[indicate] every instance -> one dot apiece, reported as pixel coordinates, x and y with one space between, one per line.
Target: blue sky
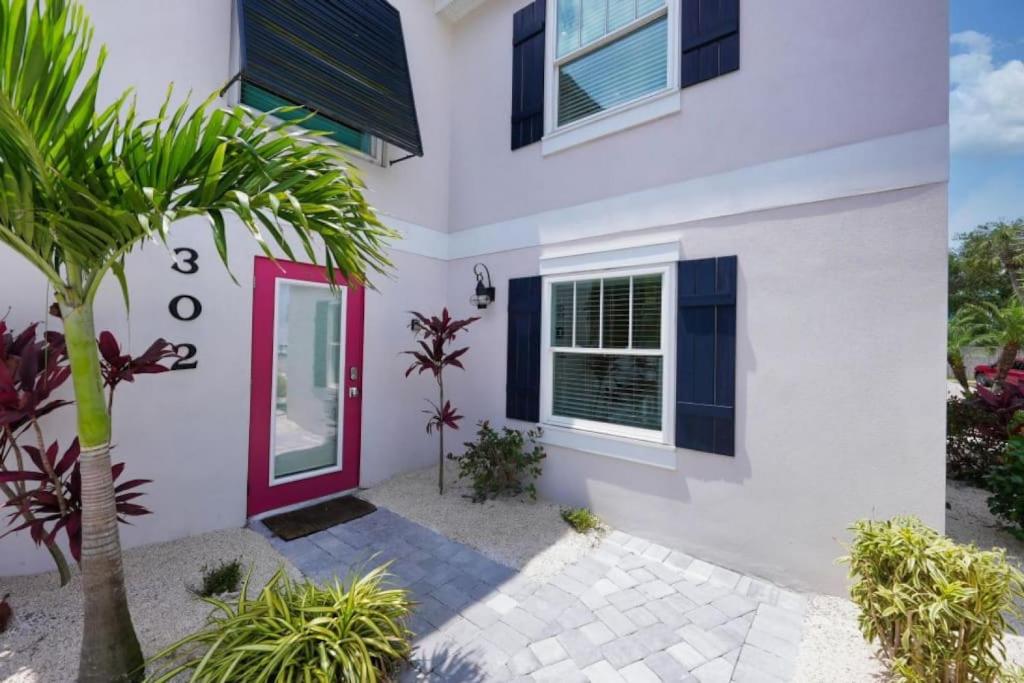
986 112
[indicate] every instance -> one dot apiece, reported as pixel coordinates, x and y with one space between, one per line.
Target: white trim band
631 257
896 162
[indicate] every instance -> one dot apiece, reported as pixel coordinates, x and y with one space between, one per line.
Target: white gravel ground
42 644
527 535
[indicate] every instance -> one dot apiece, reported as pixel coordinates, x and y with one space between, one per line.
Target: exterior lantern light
484 295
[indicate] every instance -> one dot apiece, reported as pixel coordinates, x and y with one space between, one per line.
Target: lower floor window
621 390
605 356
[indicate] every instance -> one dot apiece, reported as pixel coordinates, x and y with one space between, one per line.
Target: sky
986 111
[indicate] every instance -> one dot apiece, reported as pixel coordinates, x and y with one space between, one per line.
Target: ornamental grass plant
938 610
298 631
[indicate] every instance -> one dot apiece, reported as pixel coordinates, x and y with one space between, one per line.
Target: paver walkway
628 611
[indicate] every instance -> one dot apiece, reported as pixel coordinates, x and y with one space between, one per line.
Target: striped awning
343 59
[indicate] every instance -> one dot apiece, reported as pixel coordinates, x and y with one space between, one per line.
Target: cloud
986 100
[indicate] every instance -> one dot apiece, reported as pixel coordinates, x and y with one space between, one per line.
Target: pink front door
307 371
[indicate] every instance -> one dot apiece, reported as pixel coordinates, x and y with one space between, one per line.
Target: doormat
309 520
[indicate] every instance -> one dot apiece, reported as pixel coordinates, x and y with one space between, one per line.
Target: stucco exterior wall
188 430
814 74
839 391
841 302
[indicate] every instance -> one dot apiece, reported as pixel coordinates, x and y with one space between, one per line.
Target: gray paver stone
637 672
549 651
581 649
523 662
715 671
623 651
602 672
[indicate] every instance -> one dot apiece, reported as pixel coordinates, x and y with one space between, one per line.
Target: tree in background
81 187
958 336
997 327
986 265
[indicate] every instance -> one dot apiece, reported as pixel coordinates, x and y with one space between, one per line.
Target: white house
716 230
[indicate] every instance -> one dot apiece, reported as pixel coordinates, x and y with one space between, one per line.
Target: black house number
185 307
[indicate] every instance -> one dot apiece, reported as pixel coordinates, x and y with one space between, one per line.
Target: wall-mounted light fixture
484 295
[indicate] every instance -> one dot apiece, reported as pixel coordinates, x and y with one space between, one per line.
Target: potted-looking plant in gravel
433 355
82 186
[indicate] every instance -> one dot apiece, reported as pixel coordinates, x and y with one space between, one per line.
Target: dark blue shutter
343 59
706 356
710 39
522 384
528 74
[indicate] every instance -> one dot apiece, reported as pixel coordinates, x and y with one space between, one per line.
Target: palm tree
1000 327
999 246
81 187
958 335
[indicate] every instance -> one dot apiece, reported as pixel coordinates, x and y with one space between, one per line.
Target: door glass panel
309 348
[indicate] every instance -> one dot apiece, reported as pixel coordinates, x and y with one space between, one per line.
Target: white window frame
626 115
667 352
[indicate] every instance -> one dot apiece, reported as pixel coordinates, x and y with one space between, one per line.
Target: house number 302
185 307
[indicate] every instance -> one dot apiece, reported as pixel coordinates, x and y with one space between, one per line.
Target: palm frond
80 188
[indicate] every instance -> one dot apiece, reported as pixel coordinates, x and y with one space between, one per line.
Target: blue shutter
522 383
528 74
710 39
706 356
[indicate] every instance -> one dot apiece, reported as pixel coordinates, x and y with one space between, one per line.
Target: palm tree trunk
1005 363
110 648
956 362
1013 272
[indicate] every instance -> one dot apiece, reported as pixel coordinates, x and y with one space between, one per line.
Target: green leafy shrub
499 464
219 579
581 519
1006 481
937 609
975 439
298 631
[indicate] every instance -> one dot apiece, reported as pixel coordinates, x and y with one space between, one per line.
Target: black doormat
309 520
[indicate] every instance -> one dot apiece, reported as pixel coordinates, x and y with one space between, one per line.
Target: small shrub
975 438
581 519
498 464
937 609
298 631
1006 481
219 579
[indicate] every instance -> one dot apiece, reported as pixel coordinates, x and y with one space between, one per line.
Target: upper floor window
608 53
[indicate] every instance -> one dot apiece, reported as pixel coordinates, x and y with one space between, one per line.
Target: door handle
353 392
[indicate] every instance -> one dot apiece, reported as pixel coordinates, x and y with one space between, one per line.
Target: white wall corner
453 10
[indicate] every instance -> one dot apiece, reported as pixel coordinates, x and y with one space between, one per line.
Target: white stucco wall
814 74
189 431
839 391
842 302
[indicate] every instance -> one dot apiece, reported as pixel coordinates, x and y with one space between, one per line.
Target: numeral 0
175 307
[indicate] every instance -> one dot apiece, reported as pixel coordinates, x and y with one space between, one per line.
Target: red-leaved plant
42 489
433 356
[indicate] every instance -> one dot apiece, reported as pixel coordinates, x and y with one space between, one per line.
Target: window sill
662 456
606 123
